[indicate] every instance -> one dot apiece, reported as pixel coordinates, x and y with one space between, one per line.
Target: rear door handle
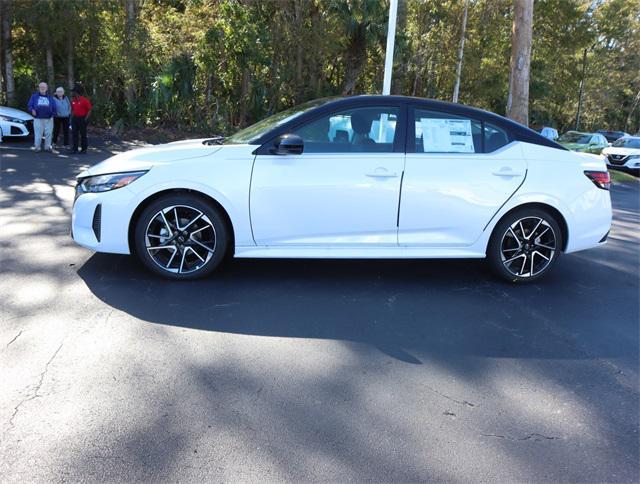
506 171
382 173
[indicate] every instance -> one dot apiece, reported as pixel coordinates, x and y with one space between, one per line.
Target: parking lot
308 370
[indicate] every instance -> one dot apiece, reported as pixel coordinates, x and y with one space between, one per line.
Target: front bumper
615 161
100 221
18 130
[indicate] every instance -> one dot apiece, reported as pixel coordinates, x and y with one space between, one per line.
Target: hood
146 158
15 113
612 150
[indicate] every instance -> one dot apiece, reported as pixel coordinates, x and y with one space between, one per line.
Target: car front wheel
181 237
525 245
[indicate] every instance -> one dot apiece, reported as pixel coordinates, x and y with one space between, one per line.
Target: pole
391 39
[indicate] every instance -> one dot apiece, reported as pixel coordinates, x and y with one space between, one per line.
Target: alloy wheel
528 246
180 239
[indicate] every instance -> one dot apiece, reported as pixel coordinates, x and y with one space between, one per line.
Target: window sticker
446 135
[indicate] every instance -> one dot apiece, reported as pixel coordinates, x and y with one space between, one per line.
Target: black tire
189 248
522 258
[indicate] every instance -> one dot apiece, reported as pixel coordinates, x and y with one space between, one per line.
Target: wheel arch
554 212
172 191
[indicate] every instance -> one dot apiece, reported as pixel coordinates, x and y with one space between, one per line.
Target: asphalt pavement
287 370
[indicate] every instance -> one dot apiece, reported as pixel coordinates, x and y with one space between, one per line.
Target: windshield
627 143
579 138
247 135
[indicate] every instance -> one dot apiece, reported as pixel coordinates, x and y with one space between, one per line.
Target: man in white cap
61 120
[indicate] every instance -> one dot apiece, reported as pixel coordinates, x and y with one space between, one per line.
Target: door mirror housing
288 144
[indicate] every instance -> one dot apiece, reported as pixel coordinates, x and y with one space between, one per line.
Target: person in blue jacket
61 120
43 108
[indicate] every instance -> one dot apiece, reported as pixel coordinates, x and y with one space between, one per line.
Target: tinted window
494 138
439 132
574 137
360 130
627 142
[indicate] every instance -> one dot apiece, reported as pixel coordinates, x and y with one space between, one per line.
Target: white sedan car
15 123
357 177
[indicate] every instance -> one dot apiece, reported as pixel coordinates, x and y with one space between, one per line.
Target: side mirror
288 144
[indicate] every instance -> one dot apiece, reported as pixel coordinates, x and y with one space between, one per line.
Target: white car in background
624 153
369 177
15 123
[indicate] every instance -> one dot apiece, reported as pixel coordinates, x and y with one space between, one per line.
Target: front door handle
506 171
382 173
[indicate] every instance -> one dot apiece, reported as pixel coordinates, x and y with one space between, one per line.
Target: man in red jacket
80 111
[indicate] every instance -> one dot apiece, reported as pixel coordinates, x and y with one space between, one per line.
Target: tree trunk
8 52
129 52
244 96
521 39
356 57
636 101
70 76
299 26
581 89
456 87
50 70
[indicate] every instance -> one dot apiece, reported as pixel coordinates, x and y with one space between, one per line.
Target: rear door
459 171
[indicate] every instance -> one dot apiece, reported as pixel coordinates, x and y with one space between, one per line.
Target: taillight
601 179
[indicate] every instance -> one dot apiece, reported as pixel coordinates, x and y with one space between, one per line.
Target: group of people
55 114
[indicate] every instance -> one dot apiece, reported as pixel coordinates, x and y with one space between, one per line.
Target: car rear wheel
525 245
181 237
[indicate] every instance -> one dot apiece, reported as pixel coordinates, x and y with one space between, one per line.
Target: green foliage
216 65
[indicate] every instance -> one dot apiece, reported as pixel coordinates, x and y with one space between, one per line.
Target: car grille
617 159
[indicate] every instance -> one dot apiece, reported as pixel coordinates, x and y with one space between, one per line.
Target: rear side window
494 138
441 132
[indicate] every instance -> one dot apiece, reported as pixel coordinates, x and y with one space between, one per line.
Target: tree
518 100
456 88
7 51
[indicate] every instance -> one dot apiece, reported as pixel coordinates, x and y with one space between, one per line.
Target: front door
343 190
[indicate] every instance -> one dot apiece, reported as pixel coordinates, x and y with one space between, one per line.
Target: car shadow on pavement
410 310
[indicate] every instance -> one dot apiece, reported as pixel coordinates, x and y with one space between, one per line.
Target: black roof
516 130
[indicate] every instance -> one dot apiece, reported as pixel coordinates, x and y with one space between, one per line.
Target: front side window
359 130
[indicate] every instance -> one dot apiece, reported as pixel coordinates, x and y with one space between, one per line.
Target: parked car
583 142
549 133
624 153
357 177
15 123
611 136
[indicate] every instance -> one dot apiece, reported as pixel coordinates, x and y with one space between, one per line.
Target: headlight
12 120
634 157
104 183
